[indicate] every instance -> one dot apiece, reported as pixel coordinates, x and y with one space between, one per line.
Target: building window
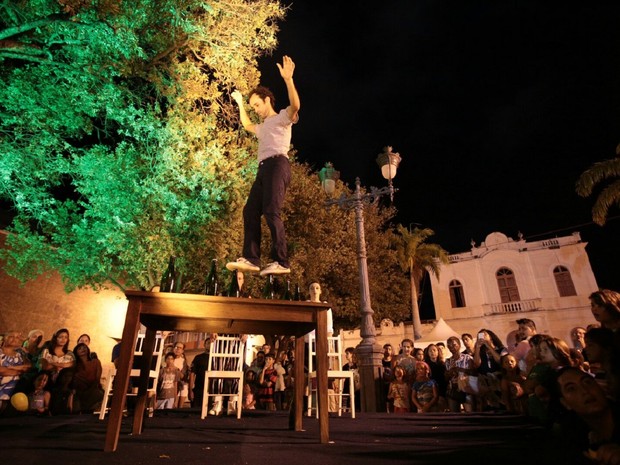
564 281
507 284
457 297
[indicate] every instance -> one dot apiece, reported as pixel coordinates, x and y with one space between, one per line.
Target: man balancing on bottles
273 176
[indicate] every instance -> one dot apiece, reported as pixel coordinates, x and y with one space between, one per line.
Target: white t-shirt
274 135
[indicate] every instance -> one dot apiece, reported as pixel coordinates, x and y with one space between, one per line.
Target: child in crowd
249 400
551 355
267 383
513 394
39 399
419 354
424 392
168 383
399 392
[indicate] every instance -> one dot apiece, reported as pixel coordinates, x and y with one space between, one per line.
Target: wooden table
161 311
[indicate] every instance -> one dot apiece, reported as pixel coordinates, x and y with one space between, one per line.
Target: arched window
564 281
507 283
457 297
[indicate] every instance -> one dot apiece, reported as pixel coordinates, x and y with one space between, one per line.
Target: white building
503 279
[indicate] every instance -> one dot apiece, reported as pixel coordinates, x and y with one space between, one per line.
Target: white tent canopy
440 333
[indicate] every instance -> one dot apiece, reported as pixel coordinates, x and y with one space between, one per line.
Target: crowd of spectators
571 387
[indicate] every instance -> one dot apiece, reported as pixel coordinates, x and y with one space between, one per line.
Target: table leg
300 383
321 374
121 380
145 367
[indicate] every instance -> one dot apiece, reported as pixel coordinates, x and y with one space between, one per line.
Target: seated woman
433 356
487 354
59 363
32 346
13 363
85 338
87 392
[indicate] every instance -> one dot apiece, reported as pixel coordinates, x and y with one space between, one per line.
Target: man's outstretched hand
286 68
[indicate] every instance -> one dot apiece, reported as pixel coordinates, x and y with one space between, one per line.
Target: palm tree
415 257
610 195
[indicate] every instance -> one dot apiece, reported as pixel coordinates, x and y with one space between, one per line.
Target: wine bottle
268 290
178 279
169 276
233 288
211 287
287 293
297 292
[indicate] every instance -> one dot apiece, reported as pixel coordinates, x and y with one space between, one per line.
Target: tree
609 195
120 147
416 257
118 142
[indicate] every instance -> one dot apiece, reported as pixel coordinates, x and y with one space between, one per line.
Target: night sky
496 107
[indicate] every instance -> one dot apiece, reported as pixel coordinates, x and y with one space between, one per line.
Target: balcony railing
512 307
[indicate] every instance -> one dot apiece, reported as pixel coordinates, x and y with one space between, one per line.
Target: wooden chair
335 373
135 373
226 354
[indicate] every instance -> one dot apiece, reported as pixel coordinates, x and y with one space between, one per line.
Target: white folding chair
335 372
135 373
226 354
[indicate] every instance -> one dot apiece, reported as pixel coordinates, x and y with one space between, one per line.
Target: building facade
501 280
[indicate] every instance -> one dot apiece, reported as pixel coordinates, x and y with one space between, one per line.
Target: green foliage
609 195
415 255
116 142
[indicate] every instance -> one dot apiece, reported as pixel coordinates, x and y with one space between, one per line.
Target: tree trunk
415 309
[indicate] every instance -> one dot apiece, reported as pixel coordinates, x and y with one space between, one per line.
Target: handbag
469 384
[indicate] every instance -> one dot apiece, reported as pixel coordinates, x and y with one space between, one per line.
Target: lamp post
369 353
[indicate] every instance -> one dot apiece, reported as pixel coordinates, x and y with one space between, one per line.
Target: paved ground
263 438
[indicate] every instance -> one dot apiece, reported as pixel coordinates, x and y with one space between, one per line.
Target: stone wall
44 304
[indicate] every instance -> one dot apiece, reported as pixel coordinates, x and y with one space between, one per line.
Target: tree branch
24 56
13 31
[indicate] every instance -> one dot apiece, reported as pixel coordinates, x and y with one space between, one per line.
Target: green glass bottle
297 293
169 277
211 287
287 293
233 287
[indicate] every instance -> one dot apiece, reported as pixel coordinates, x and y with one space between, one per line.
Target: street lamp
369 353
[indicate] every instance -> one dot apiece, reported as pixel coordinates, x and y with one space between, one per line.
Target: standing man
198 368
273 176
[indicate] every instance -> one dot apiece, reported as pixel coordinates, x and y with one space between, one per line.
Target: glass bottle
178 278
233 287
297 293
169 277
269 289
211 287
287 293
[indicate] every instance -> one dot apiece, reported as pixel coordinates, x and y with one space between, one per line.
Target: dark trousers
266 198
